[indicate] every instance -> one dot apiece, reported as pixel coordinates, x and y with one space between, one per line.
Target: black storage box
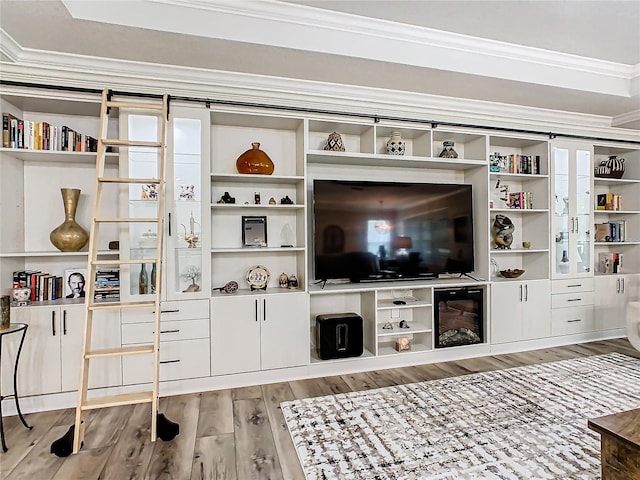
338 335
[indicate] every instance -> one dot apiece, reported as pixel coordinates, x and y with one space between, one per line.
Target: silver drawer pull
170 331
574 321
574 300
170 361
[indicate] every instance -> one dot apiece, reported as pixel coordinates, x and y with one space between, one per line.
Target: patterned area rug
526 423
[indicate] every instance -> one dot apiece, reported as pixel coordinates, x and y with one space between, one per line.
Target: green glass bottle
143 281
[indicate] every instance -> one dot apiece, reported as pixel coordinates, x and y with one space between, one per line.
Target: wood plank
214 458
105 427
21 440
174 459
256 455
216 413
245 393
85 465
39 463
131 454
356 381
274 395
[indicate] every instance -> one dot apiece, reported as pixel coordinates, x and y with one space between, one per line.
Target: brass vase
69 236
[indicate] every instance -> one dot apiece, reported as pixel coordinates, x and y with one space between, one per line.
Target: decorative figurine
403 324
334 143
256 198
187 192
283 280
192 238
149 192
447 150
293 281
272 201
286 200
192 273
502 230
229 287
226 198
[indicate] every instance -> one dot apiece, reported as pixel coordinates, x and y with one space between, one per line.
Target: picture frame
254 231
75 282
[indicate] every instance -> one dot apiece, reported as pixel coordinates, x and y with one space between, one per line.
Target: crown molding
45 67
9 47
626 119
280 24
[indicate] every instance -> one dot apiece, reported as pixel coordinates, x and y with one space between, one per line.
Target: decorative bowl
515 273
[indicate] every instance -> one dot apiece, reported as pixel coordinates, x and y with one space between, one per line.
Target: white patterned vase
395 145
334 143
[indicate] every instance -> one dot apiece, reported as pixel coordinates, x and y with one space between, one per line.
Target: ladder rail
84 404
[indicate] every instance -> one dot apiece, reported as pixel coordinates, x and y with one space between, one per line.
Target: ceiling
573 56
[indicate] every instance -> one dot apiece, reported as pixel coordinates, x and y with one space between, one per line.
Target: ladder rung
121 351
116 400
130 219
124 262
150 181
130 143
142 106
114 305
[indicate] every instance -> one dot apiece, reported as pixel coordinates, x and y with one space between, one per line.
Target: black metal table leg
14 327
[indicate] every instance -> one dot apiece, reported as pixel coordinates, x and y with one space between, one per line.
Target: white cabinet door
235 334
520 311
103 372
506 312
39 368
612 293
285 331
536 310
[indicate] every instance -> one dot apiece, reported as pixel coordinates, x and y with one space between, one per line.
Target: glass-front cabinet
572 209
187 276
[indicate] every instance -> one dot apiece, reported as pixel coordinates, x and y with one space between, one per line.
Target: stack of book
26 134
515 163
521 200
43 286
610 262
609 201
107 285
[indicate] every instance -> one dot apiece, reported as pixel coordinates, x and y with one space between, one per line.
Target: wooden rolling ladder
75 434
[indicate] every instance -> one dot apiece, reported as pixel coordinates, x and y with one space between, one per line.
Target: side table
13 328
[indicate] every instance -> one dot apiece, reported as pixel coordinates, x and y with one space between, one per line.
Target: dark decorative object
611 168
229 287
272 201
5 312
283 280
286 200
447 150
254 231
404 324
395 145
114 245
69 236
387 326
255 161
143 281
334 143
503 229
226 198
192 273
293 281
256 198
515 273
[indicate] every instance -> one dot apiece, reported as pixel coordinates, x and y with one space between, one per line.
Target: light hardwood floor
236 434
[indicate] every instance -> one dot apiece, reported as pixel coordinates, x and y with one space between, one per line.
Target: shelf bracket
376 119
434 125
552 135
109 97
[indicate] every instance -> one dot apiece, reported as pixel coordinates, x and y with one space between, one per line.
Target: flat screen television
370 230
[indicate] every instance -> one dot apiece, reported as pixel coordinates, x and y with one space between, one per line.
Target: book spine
5 131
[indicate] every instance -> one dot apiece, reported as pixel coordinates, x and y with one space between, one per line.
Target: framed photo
75 281
254 231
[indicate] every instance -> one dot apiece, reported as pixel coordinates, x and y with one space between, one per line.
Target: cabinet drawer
178 360
566 321
572 285
169 331
177 310
576 299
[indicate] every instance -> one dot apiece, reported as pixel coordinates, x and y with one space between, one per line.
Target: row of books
514 163
610 231
608 201
520 200
610 262
25 134
42 286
